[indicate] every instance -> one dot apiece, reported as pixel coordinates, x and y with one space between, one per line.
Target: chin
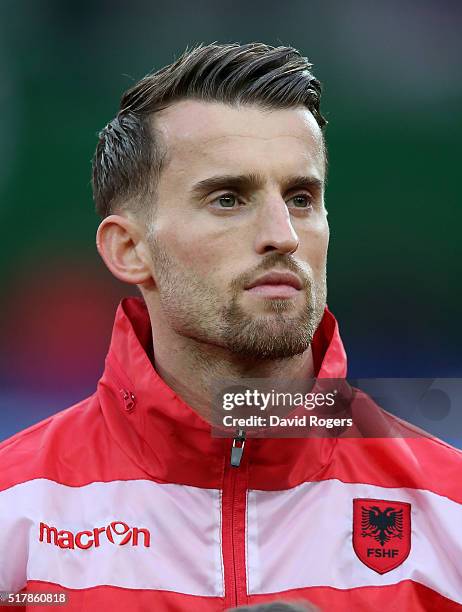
271 306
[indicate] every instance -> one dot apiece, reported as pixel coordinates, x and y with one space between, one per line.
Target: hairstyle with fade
129 157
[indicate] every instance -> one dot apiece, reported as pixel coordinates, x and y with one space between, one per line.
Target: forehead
204 136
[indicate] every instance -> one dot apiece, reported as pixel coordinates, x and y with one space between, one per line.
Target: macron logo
118 533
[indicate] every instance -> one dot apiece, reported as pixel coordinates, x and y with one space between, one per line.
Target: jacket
126 502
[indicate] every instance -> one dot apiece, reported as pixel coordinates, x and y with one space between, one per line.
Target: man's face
241 195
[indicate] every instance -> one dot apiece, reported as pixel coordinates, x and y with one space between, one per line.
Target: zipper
237 448
234 522
234 504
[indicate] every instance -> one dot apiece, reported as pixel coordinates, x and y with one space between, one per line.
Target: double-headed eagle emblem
382 525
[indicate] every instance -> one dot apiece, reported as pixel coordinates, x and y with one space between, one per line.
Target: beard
193 307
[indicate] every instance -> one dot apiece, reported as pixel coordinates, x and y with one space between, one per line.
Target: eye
301 201
225 201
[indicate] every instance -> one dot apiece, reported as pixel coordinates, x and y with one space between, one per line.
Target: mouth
275 285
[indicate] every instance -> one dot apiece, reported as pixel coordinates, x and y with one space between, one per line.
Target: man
210 182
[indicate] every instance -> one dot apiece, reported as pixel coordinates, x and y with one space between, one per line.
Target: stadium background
392 95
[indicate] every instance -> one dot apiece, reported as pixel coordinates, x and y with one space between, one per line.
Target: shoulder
424 445
408 459
36 452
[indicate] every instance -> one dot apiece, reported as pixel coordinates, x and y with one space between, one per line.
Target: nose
274 229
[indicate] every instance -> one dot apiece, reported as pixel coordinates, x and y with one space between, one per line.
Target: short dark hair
128 157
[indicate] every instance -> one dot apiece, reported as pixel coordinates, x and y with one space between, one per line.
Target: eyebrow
249 182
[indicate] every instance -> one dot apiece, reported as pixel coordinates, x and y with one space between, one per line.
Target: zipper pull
129 400
236 451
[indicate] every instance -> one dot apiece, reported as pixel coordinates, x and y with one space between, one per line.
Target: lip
274 291
273 279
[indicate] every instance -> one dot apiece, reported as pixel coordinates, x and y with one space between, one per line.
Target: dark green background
392 95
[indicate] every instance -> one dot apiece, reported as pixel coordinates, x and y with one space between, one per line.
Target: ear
120 243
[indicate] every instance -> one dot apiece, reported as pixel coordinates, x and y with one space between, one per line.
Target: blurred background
392 95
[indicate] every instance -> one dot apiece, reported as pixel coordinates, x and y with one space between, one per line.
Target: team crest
381 533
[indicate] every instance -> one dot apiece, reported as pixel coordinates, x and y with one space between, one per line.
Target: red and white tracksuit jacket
126 502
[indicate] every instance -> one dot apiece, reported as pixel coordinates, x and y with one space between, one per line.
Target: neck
190 367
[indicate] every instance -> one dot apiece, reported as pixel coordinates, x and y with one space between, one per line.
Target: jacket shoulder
427 444
407 457
38 451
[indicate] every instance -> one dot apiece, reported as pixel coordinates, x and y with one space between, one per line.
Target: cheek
314 249
194 262
183 246
201 245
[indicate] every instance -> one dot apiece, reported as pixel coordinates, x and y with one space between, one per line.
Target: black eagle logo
382 525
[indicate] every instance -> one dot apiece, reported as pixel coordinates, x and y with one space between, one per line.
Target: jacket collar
166 438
